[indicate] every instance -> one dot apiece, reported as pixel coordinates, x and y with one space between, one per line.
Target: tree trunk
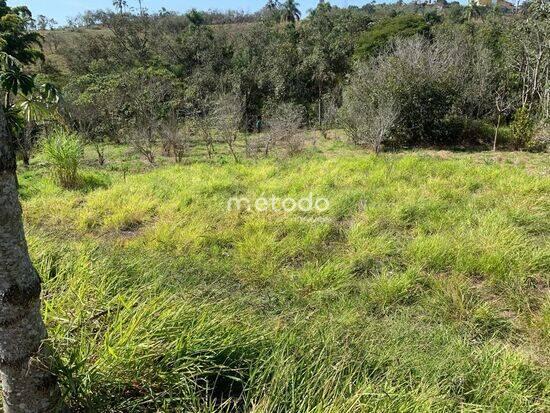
27 142
26 158
496 134
320 108
100 153
267 145
27 384
231 148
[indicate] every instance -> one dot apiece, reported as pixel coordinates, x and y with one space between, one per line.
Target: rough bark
27 384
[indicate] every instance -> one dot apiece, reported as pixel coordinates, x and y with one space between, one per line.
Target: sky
61 9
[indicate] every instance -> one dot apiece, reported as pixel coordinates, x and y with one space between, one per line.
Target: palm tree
120 5
272 5
35 110
42 99
14 80
290 11
272 11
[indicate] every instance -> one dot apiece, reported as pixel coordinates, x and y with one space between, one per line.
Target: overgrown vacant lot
424 286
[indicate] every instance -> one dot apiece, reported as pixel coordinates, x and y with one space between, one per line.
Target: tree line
391 75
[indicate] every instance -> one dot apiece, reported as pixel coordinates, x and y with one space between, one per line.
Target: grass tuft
64 151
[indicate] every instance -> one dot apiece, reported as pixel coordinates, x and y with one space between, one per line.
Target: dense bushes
370 111
406 93
541 139
261 62
451 87
447 90
467 132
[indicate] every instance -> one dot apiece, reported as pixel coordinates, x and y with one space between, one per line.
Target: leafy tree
148 96
250 70
15 40
527 58
328 39
176 138
369 113
227 115
195 17
321 56
132 37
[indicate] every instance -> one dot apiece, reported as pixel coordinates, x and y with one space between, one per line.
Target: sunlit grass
424 286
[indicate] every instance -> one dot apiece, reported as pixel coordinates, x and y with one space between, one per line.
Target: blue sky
61 9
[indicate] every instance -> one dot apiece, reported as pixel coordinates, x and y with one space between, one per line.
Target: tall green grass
424 287
64 151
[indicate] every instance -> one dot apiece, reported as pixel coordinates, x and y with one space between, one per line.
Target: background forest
393 75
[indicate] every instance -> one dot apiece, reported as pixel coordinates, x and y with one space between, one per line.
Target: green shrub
467 132
540 141
64 151
521 129
404 96
505 137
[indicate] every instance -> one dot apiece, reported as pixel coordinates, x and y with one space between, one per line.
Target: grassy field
423 287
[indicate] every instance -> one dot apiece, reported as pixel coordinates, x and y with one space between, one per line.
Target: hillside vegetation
392 75
423 287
